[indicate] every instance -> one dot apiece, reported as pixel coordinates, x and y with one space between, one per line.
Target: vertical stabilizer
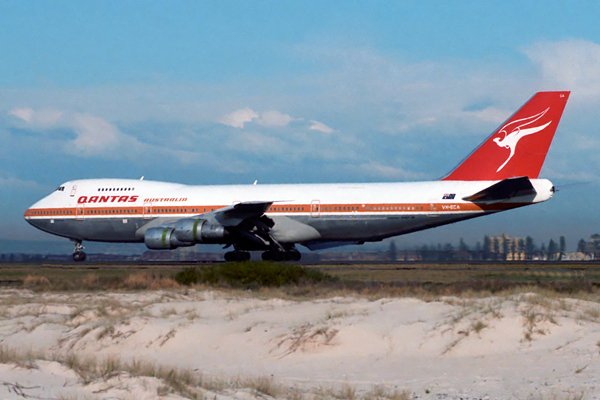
519 146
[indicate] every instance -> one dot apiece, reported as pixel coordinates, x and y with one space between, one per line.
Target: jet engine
163 239
199 231
187 232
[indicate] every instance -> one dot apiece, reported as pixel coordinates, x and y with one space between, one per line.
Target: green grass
290 280
252 274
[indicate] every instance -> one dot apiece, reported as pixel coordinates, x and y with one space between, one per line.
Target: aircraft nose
35 213
30 215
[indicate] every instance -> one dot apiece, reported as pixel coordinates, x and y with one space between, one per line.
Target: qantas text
107 199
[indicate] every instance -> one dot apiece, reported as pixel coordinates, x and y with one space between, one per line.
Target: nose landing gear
78 254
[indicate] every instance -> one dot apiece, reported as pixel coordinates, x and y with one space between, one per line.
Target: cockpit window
60 189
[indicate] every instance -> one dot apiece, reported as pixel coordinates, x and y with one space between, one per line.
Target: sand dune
510 347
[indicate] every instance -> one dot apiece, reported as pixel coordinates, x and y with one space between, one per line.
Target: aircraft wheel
294 255
267 255
237 256
79 256
278 256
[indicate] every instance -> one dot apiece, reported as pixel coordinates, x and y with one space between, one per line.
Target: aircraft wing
504 190
251 212
237 213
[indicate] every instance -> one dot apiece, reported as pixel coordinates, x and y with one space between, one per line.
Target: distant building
590 249
505 248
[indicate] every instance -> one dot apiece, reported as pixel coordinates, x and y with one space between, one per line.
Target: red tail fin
519 146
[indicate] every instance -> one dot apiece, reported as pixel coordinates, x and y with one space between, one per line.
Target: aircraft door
80 212
147 210
315 208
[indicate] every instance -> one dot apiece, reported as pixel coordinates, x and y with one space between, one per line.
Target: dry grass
304 337
36 282
23 359
592 313
347 391
81 278
189 383
91 281
143 281
381 392
478 326
107 330
577 395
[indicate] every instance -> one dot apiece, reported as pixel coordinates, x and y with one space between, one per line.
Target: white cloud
572 64
275 118
94 137
321 127
93 134
379 171
238 118
491 114
272 118
26 114
8 183
44 118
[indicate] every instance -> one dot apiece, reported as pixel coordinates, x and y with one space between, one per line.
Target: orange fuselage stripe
379 208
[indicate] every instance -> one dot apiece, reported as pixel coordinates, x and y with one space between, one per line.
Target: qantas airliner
501 174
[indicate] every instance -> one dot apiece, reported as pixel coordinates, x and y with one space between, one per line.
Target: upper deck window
116 189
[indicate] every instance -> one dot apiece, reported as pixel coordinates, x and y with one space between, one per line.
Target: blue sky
275 91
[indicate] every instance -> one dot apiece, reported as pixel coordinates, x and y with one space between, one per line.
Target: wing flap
237 213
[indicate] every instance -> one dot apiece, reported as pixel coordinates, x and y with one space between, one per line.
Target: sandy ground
514 347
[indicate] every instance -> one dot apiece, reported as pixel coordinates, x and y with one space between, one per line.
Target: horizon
57 246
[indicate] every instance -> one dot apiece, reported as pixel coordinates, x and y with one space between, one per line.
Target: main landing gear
269 255
278 255
237 255
78 254
262 240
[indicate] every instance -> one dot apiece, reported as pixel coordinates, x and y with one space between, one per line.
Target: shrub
252 273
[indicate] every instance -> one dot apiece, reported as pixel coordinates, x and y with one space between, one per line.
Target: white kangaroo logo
510 140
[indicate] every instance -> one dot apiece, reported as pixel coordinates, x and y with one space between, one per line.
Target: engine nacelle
163 239
199 231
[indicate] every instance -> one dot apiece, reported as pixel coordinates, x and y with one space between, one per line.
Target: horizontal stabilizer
504 190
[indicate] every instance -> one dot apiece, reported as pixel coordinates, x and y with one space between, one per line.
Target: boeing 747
501 174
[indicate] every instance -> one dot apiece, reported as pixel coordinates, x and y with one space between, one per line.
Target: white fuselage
118 210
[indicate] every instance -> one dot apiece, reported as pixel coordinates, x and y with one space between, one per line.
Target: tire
294 256
237 256
278 256
79 256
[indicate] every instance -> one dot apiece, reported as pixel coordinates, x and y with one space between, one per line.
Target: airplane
499 175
